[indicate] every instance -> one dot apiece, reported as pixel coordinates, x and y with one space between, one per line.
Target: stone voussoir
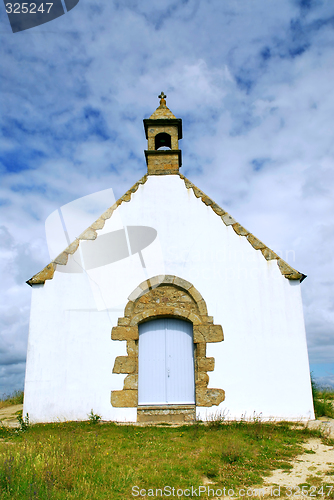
182 283
195 319
195 294
202 309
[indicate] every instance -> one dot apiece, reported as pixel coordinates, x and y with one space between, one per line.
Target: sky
252 81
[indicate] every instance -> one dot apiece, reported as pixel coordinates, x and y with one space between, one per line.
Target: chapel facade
166 309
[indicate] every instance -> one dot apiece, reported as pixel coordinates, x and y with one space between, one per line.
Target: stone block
205 364
124 399
89 234
182 312
61 259
125 364
142 180
144 285
217 209
135 294
288 271
198 336
46 274
98 224
202 379
239 229
73 247
188 183
207 200
168 279
202 397
197 192
216 334
195 319
132 348
210 333
202 309
131 382
129 309
216 396
257 244
182 283
201 350
126 196
269 254
124 333
108 213
123 321
195 294
228 219
156 280
209 397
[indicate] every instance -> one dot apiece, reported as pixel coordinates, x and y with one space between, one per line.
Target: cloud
253 85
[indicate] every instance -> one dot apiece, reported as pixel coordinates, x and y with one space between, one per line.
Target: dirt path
8 416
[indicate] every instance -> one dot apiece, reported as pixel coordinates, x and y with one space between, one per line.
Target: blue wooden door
166 362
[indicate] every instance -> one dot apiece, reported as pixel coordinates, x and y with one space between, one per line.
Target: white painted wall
262 363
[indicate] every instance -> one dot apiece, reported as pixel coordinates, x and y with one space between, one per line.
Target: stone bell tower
163 130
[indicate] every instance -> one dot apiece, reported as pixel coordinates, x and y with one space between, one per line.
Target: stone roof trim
286 270
89 234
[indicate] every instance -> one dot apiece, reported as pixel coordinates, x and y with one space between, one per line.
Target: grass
323 400
14 399
82 460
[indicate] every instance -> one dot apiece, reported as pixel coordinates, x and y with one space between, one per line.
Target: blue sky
252 81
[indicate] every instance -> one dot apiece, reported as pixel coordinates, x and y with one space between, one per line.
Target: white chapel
166 309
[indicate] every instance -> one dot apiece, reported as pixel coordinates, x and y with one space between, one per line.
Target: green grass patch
13 399
323 400
102 461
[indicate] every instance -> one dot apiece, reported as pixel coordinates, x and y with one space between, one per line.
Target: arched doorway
166 373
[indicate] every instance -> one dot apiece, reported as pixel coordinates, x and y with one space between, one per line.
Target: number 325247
27 8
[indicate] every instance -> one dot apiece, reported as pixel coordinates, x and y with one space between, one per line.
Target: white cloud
253 85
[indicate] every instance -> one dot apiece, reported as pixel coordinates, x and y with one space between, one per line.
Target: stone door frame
179 299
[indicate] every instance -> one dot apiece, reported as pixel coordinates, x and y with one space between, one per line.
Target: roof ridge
90 233
288 271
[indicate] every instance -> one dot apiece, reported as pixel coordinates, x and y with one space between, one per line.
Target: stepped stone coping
91 234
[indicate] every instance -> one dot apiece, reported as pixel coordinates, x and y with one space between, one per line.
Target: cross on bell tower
163 131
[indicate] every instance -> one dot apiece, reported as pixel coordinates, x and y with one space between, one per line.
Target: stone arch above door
166 296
